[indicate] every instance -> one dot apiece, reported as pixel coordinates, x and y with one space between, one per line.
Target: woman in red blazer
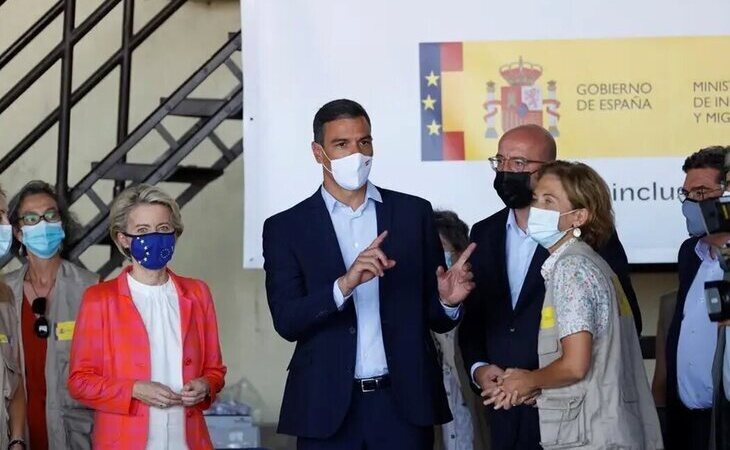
145 352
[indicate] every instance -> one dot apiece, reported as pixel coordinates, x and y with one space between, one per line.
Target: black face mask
514 189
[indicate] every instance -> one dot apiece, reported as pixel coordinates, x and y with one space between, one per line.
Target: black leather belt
372 384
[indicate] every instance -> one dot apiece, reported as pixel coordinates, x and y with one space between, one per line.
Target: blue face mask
542 226
693 214
152 250
449 259
43 239
6 239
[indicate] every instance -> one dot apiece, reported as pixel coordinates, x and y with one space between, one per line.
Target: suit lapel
384 214
533 280
500 243
186 305
323 239
128 312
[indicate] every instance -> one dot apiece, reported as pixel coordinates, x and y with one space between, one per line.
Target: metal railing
63 51
114 165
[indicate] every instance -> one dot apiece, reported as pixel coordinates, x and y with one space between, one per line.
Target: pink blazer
110 351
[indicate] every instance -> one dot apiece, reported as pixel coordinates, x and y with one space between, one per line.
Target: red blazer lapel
186 304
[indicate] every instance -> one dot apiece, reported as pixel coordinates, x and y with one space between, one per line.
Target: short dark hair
707 158
452 229
336 109
71 227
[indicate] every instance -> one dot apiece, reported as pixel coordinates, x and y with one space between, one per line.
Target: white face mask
350 172
542 226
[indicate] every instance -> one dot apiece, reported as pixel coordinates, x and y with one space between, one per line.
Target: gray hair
141 194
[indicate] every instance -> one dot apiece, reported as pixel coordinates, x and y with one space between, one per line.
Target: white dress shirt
160 311
355 231
698 337
520 248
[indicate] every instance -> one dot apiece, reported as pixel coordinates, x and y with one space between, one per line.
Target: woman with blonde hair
146 354
591 389
12 411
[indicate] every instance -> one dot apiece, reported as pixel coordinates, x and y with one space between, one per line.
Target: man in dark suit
692 338
354 276
502 315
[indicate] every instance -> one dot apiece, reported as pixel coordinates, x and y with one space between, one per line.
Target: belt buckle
368 385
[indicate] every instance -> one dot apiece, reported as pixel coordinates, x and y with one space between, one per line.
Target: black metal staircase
114 167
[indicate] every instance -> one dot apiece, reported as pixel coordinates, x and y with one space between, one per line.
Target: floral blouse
580 292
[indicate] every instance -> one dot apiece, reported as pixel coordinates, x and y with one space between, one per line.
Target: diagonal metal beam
87 86
153 119
31 33
97 231
53 56
221 164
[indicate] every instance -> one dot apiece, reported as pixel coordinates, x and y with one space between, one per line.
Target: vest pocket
547 344
562 421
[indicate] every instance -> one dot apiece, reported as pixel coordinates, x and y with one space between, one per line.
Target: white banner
299 54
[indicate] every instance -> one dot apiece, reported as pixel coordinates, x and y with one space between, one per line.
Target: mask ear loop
328 159
576 230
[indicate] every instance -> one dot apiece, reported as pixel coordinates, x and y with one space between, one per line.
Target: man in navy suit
355 276
502 315
692 338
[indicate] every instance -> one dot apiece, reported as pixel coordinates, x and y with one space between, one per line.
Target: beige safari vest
612 407
69 422
10 377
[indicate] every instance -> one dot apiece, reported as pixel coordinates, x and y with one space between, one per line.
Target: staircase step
139 172
201 108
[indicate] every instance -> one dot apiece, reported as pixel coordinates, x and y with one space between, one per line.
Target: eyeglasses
40 327
697 194
50 216
518 164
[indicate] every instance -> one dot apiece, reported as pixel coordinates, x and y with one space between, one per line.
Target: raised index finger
466 254
378 240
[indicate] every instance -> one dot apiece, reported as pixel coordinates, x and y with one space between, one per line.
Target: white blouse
160 310
581 293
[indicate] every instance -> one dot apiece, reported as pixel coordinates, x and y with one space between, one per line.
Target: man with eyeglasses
692 339
502 315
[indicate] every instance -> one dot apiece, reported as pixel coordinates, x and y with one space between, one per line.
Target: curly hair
707 158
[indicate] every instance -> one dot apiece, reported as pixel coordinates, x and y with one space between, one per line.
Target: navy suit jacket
302 261
688 264
492 331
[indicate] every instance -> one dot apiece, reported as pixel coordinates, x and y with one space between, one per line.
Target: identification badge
65 330
4 339
548 317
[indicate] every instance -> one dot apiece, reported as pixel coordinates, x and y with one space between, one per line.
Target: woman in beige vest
12 411
47 292
591 389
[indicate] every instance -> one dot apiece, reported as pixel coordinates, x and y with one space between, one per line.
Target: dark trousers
373 423
515 429
688 429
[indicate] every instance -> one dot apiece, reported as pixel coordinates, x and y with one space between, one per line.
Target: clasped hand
158 395
514 387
